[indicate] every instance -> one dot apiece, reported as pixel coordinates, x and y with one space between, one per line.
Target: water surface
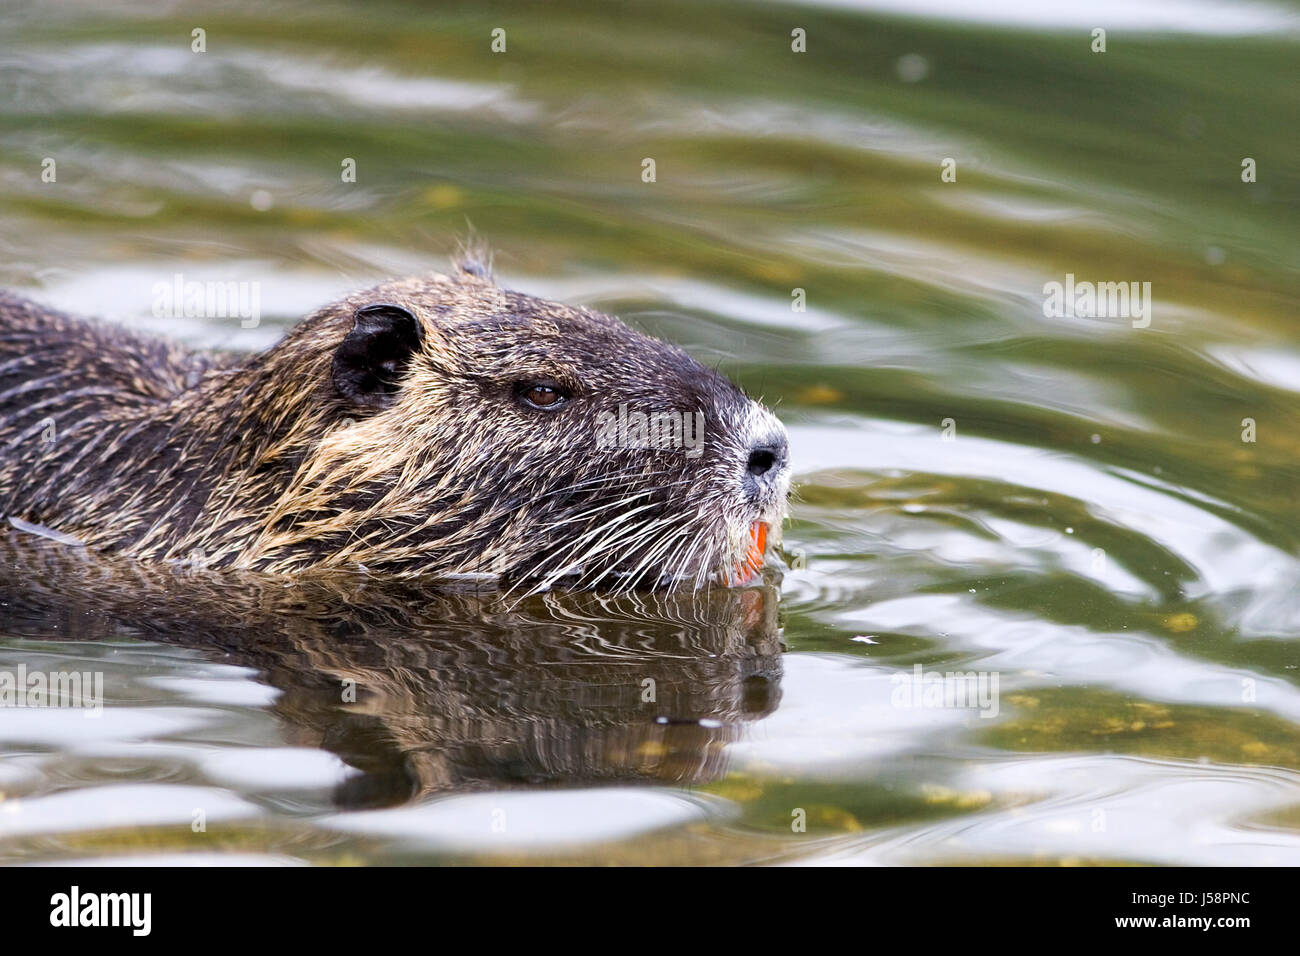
1065 503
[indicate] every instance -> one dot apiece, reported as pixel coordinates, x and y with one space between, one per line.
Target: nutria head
444 425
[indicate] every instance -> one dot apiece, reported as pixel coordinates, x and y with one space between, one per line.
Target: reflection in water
1099 534
426 691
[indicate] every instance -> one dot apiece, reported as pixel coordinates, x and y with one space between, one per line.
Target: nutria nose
767 456
761 461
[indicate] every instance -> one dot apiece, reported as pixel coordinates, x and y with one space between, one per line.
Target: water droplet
912 68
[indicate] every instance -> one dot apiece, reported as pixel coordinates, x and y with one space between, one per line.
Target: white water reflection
1155 16
1107 808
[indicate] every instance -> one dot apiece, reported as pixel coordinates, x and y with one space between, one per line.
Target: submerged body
432 425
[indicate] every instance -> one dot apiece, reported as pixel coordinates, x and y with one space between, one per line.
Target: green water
1067 503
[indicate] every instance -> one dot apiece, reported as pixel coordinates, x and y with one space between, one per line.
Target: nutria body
432 425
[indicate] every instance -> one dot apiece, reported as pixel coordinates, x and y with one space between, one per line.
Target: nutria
436 425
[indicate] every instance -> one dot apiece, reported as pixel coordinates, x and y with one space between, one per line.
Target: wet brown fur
136 446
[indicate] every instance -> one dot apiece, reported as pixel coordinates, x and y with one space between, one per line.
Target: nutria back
431 425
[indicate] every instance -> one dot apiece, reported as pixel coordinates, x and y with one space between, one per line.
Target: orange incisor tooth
753 559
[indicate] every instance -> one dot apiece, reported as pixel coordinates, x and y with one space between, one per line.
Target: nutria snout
432 425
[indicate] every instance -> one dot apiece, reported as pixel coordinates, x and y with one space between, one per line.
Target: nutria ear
369 362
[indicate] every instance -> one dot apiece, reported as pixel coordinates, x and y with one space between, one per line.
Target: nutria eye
546 395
